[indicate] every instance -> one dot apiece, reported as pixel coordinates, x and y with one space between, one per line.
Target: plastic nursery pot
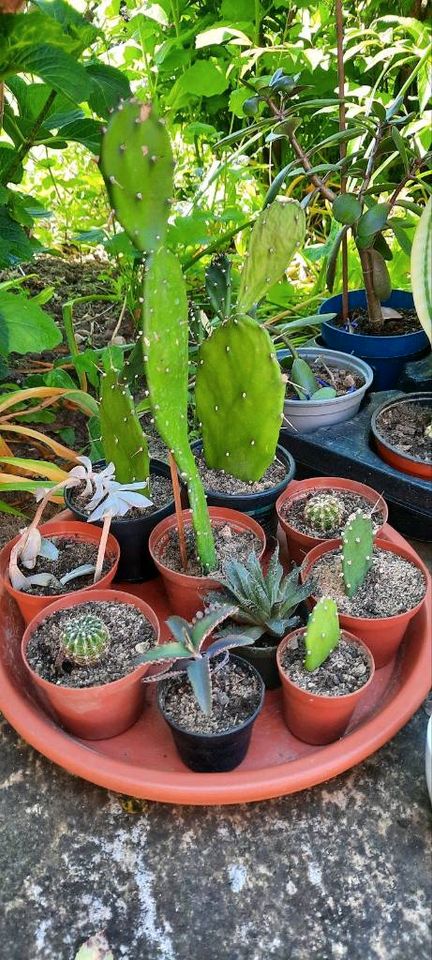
135 563
31 604
214 752
387 355
185 592
299 544
314 718
100 712
382 635
306 416
263 658
391 454
259 506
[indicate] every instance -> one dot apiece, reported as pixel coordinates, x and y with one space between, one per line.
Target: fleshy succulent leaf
218 285
276 234
162 653
322 633
357 551
198 672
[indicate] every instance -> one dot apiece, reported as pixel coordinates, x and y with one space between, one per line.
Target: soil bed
72 553
393 585
346 669
236 694
127 627
341 379
408 322
293 510
224 483
403 426
161 494
229 544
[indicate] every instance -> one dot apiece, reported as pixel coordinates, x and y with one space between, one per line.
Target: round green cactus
324 512
84 640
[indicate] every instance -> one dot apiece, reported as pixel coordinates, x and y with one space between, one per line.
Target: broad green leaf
347 208
373 220
107 87
401 147
58 69
199 676
401 236
203 79
15 245
303 379
24 327
86 131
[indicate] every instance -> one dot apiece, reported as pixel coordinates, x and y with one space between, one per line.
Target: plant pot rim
144 519
329 545
339 483
282 454
325 697
409 398
97 596
352 362
232 517
370 336
213 737
112 550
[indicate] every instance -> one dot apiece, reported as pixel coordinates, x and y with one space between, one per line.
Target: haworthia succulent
276 234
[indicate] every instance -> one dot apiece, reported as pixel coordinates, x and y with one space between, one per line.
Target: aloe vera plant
186 655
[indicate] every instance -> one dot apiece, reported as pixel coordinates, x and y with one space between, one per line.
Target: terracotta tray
143 763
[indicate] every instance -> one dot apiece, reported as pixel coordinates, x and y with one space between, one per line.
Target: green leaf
107 87
12 511
203 79
303 379
15 245
347 208
58 69
373 220
79 30
199 676
7 155
400 146
24 327
86 131
401 236
333 256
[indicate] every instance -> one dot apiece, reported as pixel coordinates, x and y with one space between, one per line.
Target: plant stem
342 148
373 303
29 141
102 546
179 511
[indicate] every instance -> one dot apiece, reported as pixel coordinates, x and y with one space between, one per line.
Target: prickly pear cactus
137 166
218 285
276 234
239 398
166 360
357 550
123 439
324 512
84 640
322 633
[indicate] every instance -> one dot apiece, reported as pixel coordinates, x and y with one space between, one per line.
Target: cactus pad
137 166
84 640
276 234
124 442
357 550
324 512
322 633
166 359
239 397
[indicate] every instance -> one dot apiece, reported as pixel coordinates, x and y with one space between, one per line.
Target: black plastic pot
214 753
260 506
264 658
133 535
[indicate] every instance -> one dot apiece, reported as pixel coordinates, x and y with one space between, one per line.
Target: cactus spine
123 439
137 166
84 640
324 512
166 360
357 549
322 633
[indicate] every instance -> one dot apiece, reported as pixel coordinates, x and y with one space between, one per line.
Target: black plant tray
346 450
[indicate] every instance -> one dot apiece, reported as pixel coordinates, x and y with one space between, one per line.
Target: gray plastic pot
305 416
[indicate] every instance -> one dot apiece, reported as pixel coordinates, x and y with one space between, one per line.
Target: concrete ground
339 872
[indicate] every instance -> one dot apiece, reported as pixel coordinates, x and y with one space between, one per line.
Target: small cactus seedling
275 236
322 633
185 654
357 550
84 640
123 440
324 512
166 361
137 166
239 397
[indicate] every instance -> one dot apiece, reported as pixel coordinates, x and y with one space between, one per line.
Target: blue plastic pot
386 355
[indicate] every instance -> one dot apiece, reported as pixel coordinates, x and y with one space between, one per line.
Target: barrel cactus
324 512
84 640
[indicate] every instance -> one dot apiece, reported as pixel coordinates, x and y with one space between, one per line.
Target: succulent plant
123 440
322 633
185 654
357 551
84 640
275 236
324 512
218 285
266 603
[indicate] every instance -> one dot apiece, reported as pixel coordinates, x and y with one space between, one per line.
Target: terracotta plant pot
314 718
382 635
185 592
31 604
100 712
299 544
214 752
392 454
